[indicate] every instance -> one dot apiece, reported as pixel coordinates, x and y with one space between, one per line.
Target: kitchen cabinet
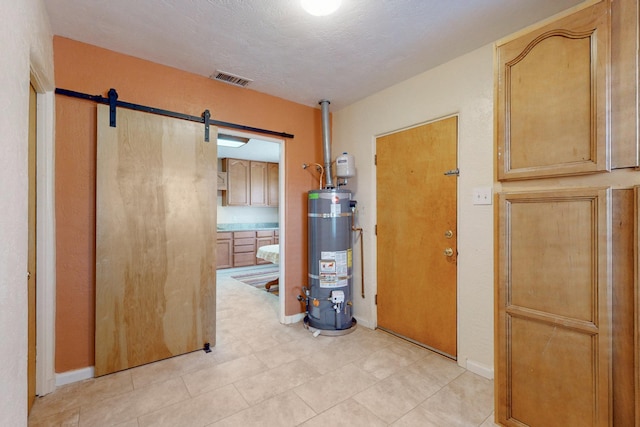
244 248
250 183
264 238
239 248
273 184
238 183
258 187
224 250
567 322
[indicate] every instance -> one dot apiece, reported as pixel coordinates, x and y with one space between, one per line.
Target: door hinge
453 172
375 160
375 229
376 299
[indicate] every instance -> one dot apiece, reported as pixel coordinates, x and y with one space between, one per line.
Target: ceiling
366 46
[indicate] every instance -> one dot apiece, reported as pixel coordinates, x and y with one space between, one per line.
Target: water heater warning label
333 269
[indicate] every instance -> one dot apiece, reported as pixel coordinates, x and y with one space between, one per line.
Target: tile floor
262 373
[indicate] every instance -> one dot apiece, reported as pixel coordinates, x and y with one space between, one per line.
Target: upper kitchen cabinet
273 184
258 177
552 98
238 182
250 183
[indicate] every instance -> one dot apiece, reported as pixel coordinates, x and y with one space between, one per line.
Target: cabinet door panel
625 43
237 193
552 98
224 251
554 308
273 186
258 184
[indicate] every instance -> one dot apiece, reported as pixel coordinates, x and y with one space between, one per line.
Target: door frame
375 201
282 317
45 236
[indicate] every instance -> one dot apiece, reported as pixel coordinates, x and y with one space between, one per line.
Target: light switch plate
482 196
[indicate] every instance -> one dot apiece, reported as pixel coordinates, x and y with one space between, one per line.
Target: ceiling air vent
225 77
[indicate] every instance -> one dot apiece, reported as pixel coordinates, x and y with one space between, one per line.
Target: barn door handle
448 252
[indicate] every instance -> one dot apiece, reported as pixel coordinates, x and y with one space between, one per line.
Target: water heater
329 301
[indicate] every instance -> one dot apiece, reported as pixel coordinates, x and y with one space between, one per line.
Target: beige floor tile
275 381
283 410
392 358
340 351
287 352
82 393
444 370
489 422
229 348
133 404
346 414
69 418
420 417
217 376
202 410
335 387
263 373
170 368
467 400
396 395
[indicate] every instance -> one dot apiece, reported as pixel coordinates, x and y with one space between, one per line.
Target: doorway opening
252 226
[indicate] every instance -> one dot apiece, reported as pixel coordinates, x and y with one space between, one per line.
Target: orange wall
89 69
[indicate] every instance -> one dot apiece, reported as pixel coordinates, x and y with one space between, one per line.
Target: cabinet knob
448 252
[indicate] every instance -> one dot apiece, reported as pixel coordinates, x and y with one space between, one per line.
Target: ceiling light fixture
320 7
231 141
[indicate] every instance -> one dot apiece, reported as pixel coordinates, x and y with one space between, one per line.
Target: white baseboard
480 369
364 323
74 376
294 319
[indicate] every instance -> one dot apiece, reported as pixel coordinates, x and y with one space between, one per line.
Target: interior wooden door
554 308
417 234
31 267
155 243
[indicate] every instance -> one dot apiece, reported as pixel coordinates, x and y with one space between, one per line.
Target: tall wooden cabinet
567 214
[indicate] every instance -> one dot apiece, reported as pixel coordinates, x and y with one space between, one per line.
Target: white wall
464 87
26 44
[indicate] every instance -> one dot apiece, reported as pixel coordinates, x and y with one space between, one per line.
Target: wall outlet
482 196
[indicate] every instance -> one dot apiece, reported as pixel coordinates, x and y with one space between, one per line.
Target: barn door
155 234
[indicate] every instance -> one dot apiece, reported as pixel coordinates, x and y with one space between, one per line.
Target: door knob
448 252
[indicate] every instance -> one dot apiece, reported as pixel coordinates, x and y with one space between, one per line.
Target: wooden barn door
155 235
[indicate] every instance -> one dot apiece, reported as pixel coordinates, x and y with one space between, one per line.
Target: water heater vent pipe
326 143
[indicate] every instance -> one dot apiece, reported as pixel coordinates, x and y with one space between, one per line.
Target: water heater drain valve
337 298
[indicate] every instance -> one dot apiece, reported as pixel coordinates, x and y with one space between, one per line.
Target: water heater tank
345 166
330 260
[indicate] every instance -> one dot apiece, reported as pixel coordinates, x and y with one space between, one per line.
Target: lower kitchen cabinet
263 238
224 250
238 248
244 248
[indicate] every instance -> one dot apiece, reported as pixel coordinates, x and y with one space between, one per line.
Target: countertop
248 226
